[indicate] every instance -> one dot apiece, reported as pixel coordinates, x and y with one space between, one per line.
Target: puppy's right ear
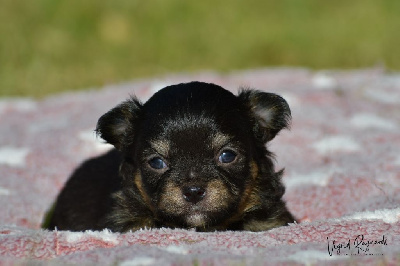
270 112
119 123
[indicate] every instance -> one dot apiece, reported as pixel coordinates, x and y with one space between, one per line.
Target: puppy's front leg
256 223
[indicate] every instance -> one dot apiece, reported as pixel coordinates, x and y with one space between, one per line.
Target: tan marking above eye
161 146
219 140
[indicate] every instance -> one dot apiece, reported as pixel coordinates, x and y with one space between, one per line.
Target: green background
49 46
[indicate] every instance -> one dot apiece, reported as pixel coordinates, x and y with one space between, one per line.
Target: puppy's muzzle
193 194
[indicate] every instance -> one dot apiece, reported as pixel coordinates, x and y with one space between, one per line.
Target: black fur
186 128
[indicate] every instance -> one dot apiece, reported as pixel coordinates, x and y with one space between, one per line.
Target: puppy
192 156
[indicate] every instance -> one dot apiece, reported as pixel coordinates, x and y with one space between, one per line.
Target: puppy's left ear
118 125
270 113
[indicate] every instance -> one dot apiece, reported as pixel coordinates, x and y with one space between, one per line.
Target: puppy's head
195 152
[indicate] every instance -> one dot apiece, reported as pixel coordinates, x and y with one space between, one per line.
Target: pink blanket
342 161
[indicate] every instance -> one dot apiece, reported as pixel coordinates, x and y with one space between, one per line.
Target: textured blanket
342 161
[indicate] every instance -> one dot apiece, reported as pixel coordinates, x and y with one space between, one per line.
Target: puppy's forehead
192 116
188 134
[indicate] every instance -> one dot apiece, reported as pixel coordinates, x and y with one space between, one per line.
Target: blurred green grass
48 46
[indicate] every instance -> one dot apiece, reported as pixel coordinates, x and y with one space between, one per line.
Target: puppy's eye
227 156
157 163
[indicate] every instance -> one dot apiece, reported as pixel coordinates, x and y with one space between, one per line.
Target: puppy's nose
193 194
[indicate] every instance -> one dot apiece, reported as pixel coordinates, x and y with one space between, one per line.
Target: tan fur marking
217 195
255 225
250 198
143 193
219 140
254 170
161 146
171 199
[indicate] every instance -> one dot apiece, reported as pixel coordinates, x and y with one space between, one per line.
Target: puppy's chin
196 220
197 216
201 220
188 215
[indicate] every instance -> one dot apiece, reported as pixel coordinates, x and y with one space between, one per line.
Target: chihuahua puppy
192 156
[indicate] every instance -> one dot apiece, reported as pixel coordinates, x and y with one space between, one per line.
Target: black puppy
192 156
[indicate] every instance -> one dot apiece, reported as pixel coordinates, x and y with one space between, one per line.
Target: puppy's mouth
193 205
